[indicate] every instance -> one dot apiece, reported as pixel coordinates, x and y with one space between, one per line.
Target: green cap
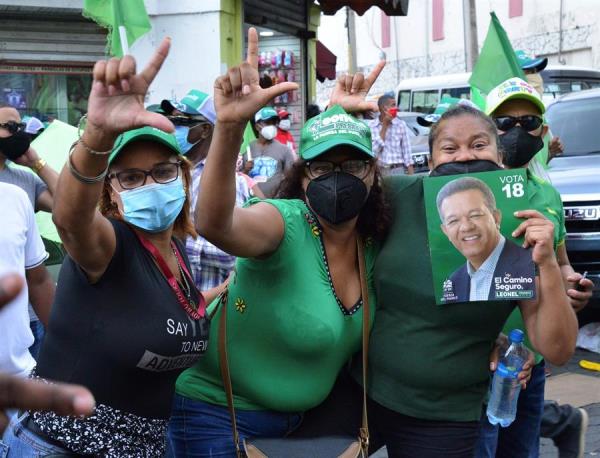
332 128
513 88
194 103
530 62
144 133
265 113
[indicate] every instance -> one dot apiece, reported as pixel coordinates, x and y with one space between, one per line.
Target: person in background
566 425
517 110
268 160
532 67
22 252
312 110
19 393
284 135
39 186
194 120
390 139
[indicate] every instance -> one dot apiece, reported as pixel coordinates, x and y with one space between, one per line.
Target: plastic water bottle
516 355
505 389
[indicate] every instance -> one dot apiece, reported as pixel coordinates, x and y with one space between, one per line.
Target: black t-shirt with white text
125 337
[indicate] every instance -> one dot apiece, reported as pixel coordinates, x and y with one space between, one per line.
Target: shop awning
326 61
389 7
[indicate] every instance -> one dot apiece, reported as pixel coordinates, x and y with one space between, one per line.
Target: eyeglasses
162 173
357 167
13 127
527 122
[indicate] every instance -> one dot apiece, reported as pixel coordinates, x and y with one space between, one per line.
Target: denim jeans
199 429
37 328
522 437
19 442
406 437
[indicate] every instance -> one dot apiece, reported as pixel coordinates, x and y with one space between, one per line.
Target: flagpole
123 37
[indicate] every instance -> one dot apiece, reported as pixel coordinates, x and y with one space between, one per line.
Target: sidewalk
564 385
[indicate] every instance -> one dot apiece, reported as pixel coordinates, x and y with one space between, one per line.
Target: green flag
496 63
129 14
249 137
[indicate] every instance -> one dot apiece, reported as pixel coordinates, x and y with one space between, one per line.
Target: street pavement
570 392
592 443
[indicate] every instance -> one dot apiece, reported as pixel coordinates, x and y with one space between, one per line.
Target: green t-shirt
544 198
425 360
287 334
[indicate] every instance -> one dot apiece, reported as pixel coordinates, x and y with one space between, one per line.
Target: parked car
576 174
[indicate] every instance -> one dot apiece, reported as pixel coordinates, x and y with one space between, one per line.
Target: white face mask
269 132
285 124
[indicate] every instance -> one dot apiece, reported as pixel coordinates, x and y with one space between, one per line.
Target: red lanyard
185 304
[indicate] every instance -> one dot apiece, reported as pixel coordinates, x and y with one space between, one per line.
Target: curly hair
375 217
183 225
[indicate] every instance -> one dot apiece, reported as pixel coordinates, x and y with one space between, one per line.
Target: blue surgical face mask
154 207
181 134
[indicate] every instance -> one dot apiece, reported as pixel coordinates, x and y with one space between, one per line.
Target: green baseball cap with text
332 128
147 133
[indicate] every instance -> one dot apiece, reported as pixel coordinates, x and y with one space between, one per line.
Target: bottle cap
516 336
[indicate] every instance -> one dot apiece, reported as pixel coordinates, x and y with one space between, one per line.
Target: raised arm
249 232
550 319
47 174
115 105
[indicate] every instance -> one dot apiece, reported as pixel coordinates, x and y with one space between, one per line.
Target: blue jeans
37 328
522 437
19 442
199 429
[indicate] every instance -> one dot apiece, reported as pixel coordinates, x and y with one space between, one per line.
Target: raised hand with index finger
116 102
238 96
350 91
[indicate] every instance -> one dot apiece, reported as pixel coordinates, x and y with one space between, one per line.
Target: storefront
46 61
285 39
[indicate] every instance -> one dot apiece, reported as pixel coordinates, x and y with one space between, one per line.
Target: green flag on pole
126 21
497 62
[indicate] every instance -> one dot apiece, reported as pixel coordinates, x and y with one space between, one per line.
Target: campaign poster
470 221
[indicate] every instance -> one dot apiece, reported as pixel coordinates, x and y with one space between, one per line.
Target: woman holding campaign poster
428 358
472 258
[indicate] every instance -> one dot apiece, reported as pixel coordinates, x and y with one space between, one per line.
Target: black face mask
15 146
460 168
519 146
337 197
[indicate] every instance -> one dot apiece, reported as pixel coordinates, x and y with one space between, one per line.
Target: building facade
430 39
48 49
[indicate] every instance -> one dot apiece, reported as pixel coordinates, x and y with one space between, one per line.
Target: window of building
46 95
515 8
385 30
437 19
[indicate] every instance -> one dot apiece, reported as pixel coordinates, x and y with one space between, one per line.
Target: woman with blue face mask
127 318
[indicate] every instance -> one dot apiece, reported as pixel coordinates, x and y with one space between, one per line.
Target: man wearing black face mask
517 111
14 146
